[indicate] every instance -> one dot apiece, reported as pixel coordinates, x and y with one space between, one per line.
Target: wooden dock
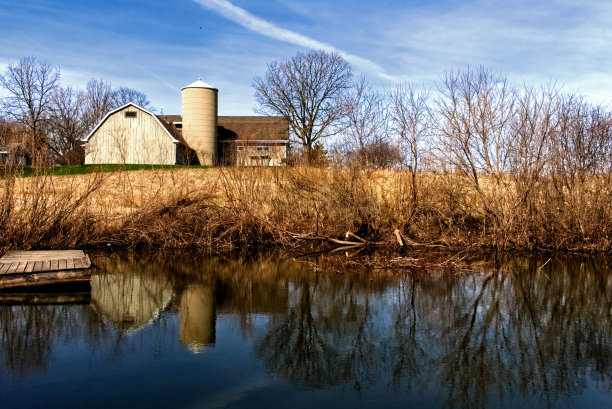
43 267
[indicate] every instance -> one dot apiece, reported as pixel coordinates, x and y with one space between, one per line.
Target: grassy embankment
224 209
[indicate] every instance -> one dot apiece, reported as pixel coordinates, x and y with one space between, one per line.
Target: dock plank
38 266
21 267
40 255
4 267
29 267
78 263
63 264
12 268
54 265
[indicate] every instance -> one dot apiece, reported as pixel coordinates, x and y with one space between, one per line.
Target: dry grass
225 209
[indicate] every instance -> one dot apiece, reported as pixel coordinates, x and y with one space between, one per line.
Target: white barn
131 134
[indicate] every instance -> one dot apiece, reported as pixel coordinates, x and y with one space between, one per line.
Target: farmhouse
14 154
15 144
132 135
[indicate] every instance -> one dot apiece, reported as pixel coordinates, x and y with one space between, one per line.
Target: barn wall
251 153
133 140
261 155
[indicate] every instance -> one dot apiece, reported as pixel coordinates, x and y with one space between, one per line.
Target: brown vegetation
254 208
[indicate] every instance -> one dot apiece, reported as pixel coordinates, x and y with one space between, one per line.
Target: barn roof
176 138
171 118
253 128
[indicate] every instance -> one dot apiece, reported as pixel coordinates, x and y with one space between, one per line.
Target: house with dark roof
15 144
132 135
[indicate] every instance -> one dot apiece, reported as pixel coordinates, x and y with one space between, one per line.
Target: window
178 125
260 159
263 148
239 148
130 114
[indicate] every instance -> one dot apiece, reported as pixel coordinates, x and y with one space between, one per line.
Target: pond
161 332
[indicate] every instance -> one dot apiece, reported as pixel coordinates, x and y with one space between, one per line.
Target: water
158 333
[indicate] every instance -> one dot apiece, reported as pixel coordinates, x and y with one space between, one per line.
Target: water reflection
515 334
197 316
128 300
30 325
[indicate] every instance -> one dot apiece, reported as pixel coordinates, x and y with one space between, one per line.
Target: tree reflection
28 332
325 338
520 332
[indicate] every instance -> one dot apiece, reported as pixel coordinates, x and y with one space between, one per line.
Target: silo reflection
197 317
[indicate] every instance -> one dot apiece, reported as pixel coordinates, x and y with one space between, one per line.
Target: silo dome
200 120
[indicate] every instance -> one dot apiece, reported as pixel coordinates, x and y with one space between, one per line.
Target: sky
158 46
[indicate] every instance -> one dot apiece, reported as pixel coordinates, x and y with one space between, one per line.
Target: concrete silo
200 120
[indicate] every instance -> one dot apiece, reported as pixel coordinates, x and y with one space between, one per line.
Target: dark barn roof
171 128
254 128
170 118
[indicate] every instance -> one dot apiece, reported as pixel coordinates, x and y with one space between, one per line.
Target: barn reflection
130 301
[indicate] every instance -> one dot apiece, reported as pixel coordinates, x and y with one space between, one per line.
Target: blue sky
160 46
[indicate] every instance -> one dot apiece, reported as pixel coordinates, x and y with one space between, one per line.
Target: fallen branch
332 240
350 234
399 237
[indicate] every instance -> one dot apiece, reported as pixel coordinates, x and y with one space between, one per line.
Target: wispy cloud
528 40
242 17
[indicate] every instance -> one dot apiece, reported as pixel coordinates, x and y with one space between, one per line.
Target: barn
132 135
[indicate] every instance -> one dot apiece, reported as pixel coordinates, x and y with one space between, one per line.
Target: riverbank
302 209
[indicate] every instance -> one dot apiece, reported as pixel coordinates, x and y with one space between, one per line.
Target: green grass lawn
26 171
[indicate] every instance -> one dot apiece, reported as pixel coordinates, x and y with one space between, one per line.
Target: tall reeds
43 211
255 208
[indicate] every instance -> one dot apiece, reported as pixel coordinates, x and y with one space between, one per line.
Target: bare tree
476 109
365 124
410 119
67 124
30 83
534 125
100 99
582 143
123 95
308 91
